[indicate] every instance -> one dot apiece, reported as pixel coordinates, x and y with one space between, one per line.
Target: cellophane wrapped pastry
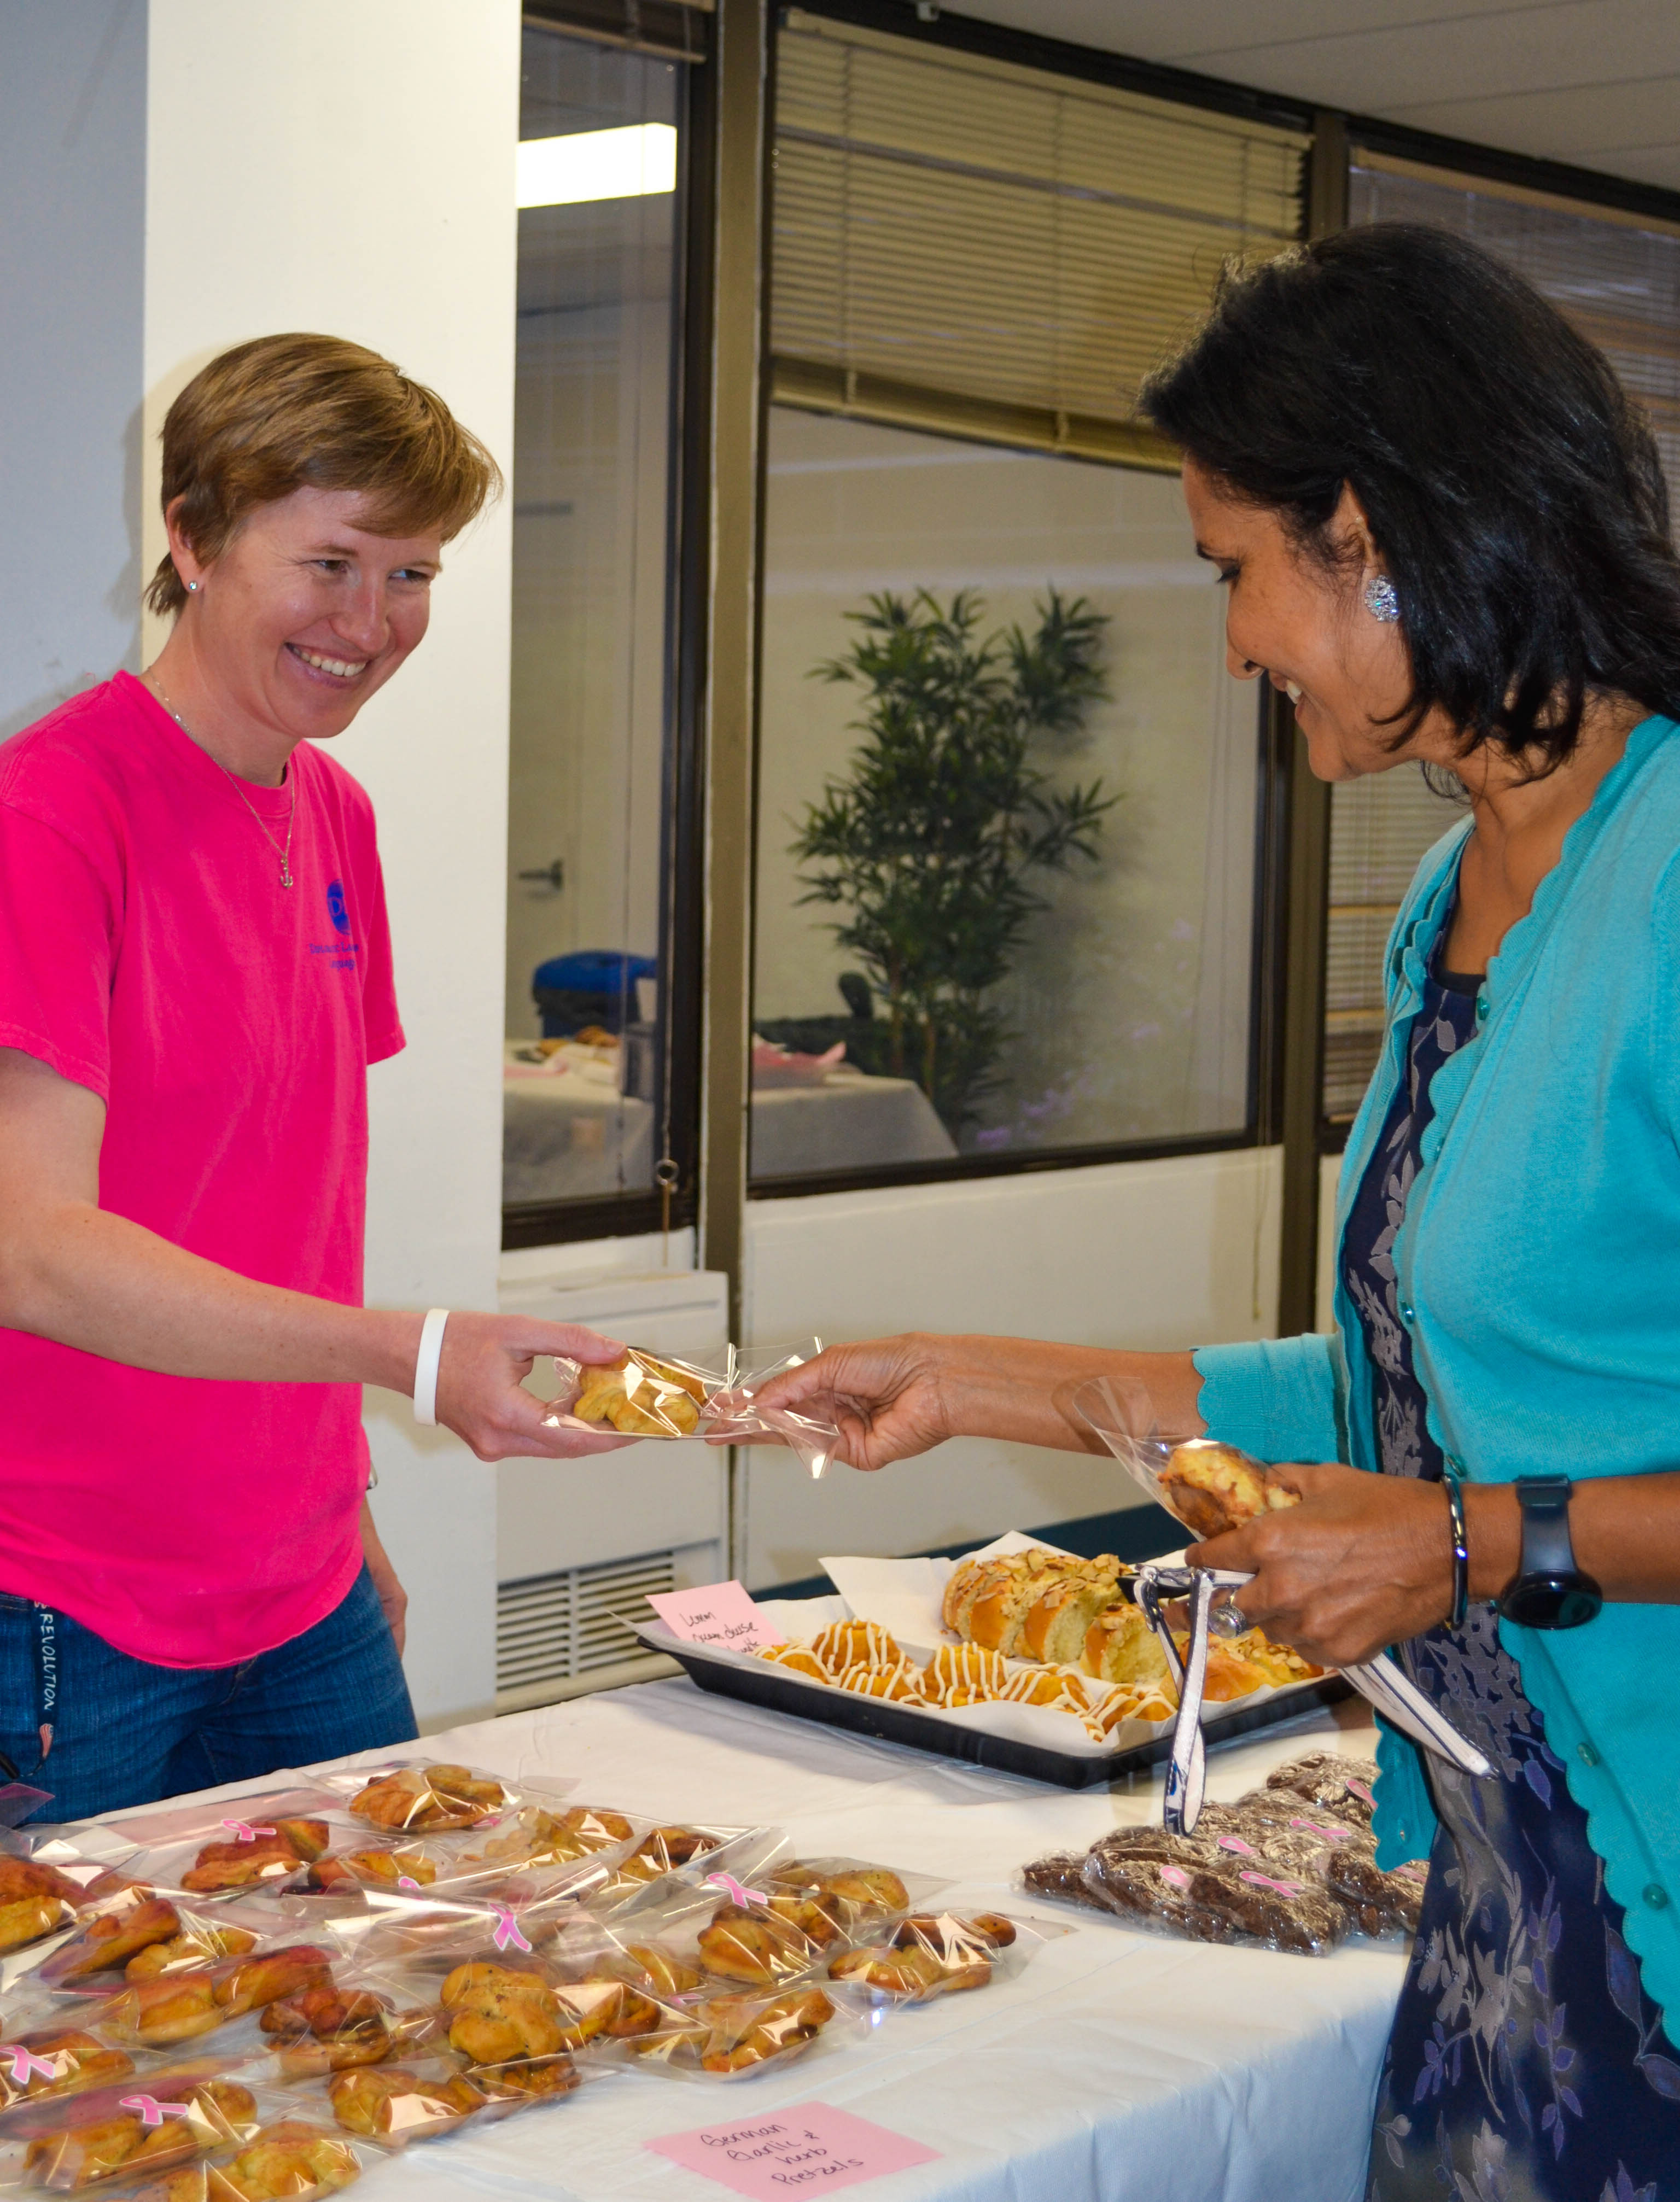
927 1954
38 2062
140 1934
735 2034
648 1395
288 2159
129 2129
1279 1867
1211 1488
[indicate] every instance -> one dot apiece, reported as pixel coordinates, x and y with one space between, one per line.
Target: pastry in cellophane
181 2006
131 2129
145 1935
735 2034
1218 1899
40 2061
935 1953
647 1395
291 2158
429 1797
1280 1867
36 1898
343 2023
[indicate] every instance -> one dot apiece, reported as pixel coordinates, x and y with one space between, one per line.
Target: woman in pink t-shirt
195 973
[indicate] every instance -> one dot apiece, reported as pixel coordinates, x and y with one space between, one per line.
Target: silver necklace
284 854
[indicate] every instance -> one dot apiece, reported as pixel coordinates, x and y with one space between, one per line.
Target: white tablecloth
1117 2066
851 1122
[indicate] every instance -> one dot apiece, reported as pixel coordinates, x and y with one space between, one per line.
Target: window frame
682 870
1269 971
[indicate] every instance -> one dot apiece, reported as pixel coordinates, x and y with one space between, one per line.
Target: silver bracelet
1455 1505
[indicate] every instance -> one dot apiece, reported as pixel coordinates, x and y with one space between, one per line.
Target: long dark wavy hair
1512 488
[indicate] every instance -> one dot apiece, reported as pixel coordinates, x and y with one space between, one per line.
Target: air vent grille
553 1628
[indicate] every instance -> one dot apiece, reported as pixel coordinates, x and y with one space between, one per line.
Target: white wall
1153 1254
350 169
73 148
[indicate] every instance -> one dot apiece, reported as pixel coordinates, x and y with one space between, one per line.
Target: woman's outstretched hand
886 1398
1364 1562
480 1378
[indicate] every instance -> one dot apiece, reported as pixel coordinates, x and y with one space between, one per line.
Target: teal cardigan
1538 1269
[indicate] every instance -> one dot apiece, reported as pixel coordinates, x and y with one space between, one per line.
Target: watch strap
1548 1548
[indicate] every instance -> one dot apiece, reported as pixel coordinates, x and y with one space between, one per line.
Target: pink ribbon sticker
1360 1790
1330 1834
508 1936
1236 1842
152 2112
1175 1877
738 1894
1284 1887
402 1881
25 2061
244 1833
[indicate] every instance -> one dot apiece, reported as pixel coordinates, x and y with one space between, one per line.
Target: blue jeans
125 1732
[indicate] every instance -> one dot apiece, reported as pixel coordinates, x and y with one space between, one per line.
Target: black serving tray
765 1684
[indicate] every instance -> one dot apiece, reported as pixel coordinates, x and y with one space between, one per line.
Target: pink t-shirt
149 952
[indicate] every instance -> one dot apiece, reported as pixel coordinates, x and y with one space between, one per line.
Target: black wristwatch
1549 1591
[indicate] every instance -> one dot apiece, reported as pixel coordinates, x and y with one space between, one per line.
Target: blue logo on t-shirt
335 907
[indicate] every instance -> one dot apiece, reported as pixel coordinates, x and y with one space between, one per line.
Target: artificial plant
946 814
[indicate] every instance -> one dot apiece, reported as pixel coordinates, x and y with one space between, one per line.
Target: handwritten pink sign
811 2149
721 1614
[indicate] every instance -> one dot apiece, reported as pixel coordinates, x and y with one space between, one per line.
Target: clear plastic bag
140 2126
648 1395
175 2007
345 2024
424 1796
734 2035
137 1935
423 2099
931 1954
1211 1488
297 2158
1221 1899
43 2061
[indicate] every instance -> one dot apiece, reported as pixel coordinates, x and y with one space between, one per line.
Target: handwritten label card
721 1614
809 2149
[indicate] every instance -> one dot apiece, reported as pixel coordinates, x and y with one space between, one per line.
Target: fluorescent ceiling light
597 164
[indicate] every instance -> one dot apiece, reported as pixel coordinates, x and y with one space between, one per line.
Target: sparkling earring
1381 599
192 587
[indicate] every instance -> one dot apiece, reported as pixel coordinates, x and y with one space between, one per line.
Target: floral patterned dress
1526 2065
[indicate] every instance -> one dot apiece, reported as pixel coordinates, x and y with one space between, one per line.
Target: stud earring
192 587
1381 599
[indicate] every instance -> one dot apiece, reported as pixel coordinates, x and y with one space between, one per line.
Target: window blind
968 245
1379 828
1617 277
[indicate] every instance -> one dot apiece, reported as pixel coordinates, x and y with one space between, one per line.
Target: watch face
1551 1601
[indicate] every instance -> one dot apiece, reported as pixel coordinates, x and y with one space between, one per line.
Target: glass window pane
1120 1011
590 712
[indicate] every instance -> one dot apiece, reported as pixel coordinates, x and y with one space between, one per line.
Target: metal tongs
1379 1681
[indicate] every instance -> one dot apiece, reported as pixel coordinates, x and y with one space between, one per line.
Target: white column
350 168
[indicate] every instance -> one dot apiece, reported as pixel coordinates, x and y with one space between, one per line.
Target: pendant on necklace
285 873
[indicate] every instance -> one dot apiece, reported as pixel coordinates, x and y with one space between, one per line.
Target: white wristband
426 1366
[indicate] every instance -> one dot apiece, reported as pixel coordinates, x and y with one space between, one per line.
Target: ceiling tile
1531 49
1594 119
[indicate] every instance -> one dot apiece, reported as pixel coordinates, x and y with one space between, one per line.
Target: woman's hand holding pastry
1363 1561
480 1386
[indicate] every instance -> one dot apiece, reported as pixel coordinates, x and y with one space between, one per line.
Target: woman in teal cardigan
1445 534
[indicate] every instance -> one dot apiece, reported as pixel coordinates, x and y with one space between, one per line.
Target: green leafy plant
947 812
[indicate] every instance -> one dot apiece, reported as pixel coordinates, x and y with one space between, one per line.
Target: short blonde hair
313 412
